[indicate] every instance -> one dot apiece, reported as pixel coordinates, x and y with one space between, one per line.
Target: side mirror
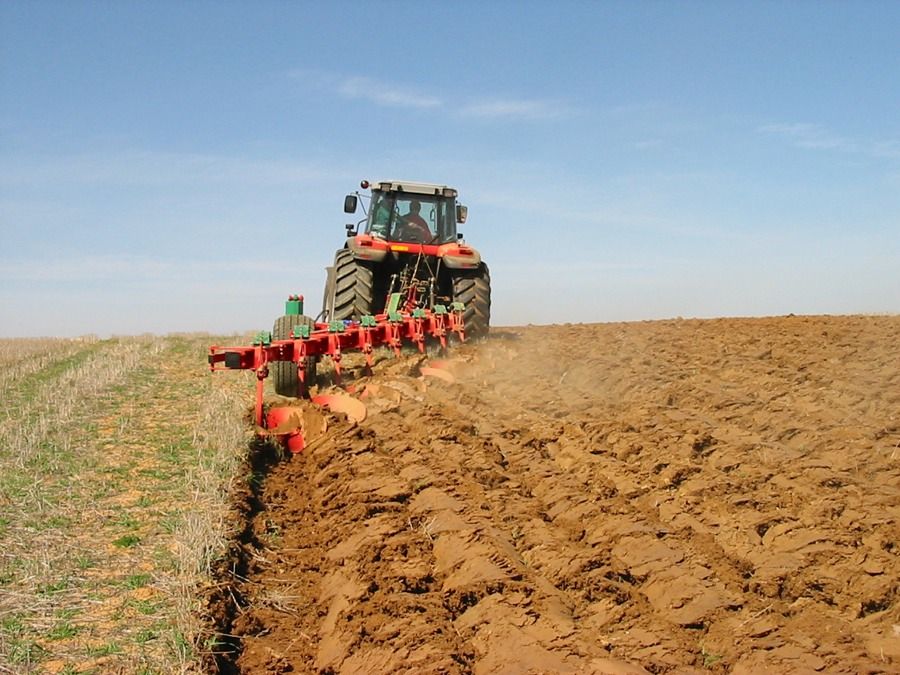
351 229
350 204
462 212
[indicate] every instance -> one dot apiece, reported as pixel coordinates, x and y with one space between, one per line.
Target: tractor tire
354 288
328 296
284 373
474 291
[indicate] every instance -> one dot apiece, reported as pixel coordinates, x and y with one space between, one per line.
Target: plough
309 341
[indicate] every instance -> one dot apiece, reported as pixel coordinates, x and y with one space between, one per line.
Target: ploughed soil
668 496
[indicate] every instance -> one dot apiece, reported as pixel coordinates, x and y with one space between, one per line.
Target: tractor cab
411 212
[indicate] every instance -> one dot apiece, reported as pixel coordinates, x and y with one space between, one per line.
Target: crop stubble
116 458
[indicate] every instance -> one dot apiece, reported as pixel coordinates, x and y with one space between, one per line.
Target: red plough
310 341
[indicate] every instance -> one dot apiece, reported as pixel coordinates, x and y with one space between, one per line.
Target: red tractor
409 261
409 249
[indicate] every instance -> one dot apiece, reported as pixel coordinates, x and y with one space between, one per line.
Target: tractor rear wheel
285 372
328 296
354 288
474 291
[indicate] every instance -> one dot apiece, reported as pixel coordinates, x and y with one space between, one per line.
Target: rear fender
459 256
367 247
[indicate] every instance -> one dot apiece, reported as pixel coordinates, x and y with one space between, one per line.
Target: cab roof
416 188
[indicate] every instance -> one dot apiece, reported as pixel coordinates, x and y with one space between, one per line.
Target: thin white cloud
810 136
379 92
648 144
817 137
386 94
521 109
396 95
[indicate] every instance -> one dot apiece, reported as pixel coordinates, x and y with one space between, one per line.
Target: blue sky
181 166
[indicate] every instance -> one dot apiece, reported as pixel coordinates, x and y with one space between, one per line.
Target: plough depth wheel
285 372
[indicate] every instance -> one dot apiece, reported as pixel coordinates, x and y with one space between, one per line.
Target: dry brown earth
674 496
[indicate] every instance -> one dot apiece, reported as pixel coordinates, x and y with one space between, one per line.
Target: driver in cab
414 226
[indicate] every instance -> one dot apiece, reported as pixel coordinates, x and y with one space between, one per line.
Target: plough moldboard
310 341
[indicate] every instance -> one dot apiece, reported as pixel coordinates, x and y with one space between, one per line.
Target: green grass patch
54 521
53 587
128 521
710 659
156 473
145 607
137 581
62 631
145 635
14 486
105 649
145 501
84 561
127 541
24 652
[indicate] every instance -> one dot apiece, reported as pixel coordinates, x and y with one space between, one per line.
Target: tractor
408 260
410 252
